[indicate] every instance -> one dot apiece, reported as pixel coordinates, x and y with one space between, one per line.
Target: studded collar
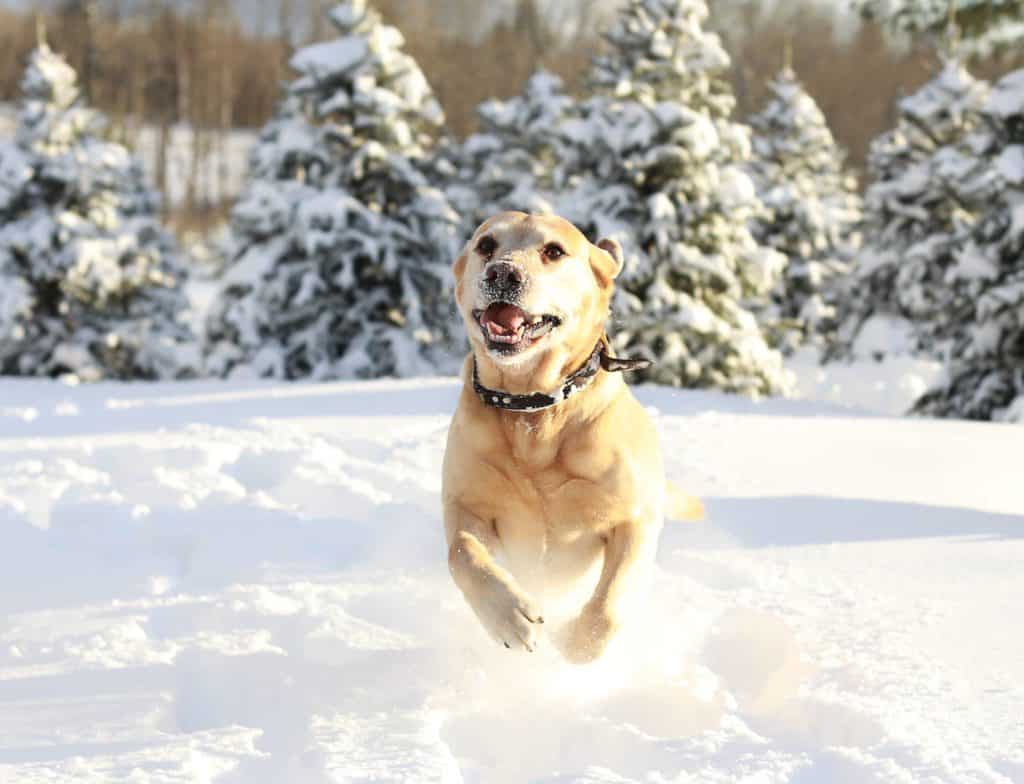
538 401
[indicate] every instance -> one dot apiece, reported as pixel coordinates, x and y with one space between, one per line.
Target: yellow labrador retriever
552 466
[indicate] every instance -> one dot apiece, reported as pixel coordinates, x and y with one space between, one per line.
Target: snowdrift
247 583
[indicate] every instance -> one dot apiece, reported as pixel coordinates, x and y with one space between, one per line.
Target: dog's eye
486 246
553 251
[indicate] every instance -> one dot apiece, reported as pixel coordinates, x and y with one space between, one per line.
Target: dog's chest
556 507
553 528
565 498
529 442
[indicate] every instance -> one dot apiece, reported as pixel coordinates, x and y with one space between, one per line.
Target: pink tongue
508 317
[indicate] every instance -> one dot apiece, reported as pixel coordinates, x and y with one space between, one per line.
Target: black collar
538 401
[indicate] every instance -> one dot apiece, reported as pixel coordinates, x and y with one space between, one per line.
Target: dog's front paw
588 636
510 617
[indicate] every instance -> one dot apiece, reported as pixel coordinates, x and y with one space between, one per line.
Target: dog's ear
606 261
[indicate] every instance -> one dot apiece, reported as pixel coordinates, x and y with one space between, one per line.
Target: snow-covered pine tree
985 379
92 282
340 247
813 209
984 26
509 164
915 218
659 51
657 161
16 303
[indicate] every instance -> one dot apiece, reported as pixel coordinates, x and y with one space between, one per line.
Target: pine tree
659 51
510 163
93 284
340 245
985 26
812 209
985 379
16 303
655 159
916 217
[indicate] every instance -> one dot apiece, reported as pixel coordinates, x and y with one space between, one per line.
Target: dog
552 468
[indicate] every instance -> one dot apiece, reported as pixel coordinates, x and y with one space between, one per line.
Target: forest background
195 79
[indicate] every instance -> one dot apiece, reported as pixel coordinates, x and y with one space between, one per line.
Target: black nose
504 276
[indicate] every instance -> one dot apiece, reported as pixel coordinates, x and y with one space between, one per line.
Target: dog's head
533 288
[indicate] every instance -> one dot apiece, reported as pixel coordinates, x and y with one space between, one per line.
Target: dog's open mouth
508 329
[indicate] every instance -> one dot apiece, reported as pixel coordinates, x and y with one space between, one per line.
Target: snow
889 385
15 301
330 59
1010 165
1007 98
883 334
50 76
246 582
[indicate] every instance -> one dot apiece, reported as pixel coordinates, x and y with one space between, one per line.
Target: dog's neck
575 382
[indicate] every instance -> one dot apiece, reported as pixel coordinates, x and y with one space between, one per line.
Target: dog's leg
629 552
504 610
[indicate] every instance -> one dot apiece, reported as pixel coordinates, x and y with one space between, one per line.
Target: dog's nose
504 276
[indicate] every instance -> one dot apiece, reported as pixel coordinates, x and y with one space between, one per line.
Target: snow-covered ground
247 583
890 385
